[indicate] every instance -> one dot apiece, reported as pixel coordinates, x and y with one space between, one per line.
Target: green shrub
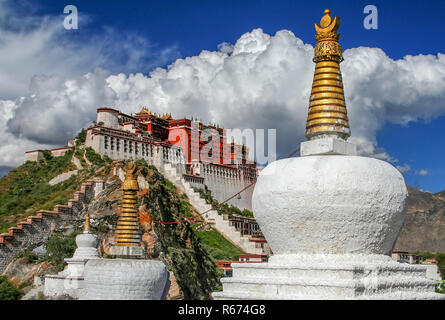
60 247
81 137
25 284
30 257
94 157
8 290
142 164
47 155
196 273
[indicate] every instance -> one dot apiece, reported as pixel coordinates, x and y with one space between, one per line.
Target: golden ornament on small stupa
128 232
327 108
87 225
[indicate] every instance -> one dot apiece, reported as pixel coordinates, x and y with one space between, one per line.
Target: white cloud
404 168
261 81
422 172
39 45
12 148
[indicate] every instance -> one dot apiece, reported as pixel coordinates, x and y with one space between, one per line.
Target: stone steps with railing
35 229
211 216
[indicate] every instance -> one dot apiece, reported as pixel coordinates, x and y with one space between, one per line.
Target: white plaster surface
86 246
312 276
330 204
70 281
327 145
62 177
432 272
126 279
57 285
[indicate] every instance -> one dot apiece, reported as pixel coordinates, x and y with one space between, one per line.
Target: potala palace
211 161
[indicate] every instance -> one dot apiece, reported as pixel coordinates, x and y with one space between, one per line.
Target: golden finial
128 230
87 226
327 108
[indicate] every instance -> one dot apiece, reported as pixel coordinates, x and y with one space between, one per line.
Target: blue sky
405 27
188 27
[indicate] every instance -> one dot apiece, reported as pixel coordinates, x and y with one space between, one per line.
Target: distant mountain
424 228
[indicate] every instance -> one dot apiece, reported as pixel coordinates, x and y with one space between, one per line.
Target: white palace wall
118 148
225 182
112 140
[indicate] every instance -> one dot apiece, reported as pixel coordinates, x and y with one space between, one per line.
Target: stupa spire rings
327 116
87 226
128 230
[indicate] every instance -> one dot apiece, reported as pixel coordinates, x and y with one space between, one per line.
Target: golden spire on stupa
327 108
128 231
87 225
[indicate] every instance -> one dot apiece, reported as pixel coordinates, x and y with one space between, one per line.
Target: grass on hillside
25 189
218 246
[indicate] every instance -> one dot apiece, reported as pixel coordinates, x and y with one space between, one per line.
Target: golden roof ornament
327 108
144 111
128 231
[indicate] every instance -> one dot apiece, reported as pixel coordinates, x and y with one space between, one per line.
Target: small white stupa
330 217
70 281
129 276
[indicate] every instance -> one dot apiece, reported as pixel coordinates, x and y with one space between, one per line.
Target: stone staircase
35 229
219 222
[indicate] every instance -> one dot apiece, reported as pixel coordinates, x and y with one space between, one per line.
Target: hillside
25 190
191 246
424 228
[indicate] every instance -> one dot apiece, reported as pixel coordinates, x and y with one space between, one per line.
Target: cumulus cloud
422 172
404 168
261 81
12 148
56 108
39 45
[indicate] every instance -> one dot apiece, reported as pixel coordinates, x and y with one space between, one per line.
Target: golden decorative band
327 102
326 64
328 70
324 95
333 76
343 122
327 82
327 109
327 89
317 130
320 115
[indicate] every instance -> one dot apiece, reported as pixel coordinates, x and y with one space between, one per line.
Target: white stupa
330 217
129 276
70 281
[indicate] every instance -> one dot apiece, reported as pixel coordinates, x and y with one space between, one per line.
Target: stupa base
127 252
315 277
126 279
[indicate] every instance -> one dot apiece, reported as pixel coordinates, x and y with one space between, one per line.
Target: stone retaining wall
35 230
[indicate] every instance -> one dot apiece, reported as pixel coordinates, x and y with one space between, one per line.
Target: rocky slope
424 228
178 245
